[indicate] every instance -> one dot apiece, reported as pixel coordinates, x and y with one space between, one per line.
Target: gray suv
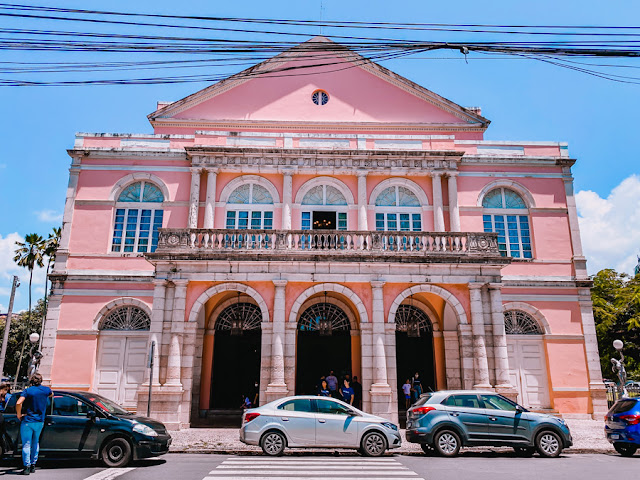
445 421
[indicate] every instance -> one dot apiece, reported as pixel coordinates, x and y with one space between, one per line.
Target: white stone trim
447 296
223 287
119 302
328 287
89 292
509 184
245 179
325 180
531 310
541 298
138 177
401 182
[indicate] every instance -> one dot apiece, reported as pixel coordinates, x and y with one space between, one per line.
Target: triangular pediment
280 90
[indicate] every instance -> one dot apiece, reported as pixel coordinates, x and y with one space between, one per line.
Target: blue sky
526 100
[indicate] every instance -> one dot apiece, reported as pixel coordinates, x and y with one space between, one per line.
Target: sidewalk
588 437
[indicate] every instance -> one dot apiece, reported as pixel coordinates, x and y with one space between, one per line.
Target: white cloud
610 227
49 216
8 269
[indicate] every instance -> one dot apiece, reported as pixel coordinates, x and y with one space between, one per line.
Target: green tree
29 254
20 329
616 309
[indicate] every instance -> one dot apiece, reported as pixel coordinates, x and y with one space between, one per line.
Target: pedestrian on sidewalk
406 388
33 401
357 393
332 382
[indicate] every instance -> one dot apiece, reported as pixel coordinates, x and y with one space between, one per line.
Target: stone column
438 215
454 211
500 354
466 356
380 389
287 200
210 205
480 364
362 200
194 198
452 359
157 323
174 363
277 387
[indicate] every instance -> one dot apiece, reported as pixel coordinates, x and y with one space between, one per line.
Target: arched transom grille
324 318
126 318
412 320
517 322
239 317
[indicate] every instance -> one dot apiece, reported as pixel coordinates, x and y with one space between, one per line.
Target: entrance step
229 418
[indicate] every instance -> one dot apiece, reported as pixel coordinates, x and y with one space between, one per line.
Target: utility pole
7 326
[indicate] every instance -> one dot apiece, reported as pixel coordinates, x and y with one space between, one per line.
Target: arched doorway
122 354
236 355
414 349
323 345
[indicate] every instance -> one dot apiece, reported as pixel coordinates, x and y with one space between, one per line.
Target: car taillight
250 416
422 410
630 419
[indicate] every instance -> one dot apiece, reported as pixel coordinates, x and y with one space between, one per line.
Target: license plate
614 436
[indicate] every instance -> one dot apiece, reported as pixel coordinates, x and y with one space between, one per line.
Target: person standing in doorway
31 410
347 392
332 382
324 389
416 386
406 389
255 394
357 393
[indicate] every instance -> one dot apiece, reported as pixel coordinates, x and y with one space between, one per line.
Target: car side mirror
519 409
91 415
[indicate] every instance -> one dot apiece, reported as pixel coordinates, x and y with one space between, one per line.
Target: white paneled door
121 367
528 370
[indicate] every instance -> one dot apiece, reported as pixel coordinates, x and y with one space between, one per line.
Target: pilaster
287 199
438 215
481 366
362 200
210 201
194 198
380 389
277 387
454 211
500 353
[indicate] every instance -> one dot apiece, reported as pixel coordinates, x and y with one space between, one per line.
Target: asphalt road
476 466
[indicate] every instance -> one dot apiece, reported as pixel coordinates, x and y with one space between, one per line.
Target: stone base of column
598 393
381 403
508 391
275 391
166 404
483 386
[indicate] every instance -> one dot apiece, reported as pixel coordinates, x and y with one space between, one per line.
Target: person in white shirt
406 388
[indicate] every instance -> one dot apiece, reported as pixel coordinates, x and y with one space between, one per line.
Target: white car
308 421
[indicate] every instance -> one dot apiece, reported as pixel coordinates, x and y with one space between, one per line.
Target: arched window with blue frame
506 213
138 217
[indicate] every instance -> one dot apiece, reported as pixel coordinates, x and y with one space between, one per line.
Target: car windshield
622 406
106 404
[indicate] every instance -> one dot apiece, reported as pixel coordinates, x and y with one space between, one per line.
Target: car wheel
273 443
625 449
549 444
116 453
447 443
374 444
524 451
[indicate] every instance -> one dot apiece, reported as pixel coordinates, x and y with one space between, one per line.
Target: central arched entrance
236 355
323 344
414 350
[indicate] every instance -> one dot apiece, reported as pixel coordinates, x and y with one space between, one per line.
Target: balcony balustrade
293 243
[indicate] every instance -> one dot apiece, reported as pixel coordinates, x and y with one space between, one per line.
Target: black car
84 424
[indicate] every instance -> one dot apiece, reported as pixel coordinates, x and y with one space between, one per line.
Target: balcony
325 245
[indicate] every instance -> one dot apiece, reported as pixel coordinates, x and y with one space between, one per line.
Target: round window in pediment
320 97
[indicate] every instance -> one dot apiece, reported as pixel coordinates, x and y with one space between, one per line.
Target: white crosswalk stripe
311 468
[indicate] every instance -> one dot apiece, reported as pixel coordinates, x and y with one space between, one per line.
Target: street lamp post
36 356
618 368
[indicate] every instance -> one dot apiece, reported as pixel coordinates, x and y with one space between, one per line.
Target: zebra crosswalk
311 468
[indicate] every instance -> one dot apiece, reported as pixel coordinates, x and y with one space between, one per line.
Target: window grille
517 322
126 318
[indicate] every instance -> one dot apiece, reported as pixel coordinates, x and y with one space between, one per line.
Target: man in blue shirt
34 399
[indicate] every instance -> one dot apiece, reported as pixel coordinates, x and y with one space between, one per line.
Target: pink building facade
272 229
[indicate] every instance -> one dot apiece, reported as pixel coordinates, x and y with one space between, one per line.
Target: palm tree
50 248
29 254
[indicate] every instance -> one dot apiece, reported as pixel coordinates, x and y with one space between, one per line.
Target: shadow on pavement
14 467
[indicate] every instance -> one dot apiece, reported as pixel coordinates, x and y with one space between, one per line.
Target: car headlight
145 430
390 426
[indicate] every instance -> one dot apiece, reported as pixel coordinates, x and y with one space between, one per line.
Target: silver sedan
308 421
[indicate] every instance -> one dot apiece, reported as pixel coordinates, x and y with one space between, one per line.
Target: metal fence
613 394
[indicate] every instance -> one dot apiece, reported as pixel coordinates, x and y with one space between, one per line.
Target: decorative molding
237 182
325 180
402 182
225 287
329 287
509 184
120 302
139 177
531 310
447 296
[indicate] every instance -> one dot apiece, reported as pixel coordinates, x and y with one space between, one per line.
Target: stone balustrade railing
332 242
